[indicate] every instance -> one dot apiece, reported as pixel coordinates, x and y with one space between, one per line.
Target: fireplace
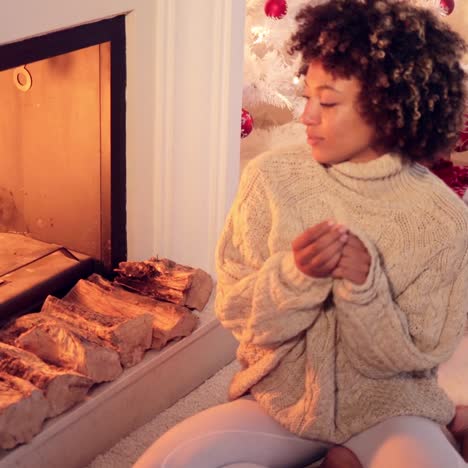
182 99
62 148
183 67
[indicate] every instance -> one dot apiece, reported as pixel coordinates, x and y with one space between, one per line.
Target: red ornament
447 6
246 123
276 8
456 177
462 143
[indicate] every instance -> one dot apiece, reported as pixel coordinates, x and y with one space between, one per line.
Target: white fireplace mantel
184 86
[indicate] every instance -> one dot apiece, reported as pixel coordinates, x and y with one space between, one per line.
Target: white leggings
242 434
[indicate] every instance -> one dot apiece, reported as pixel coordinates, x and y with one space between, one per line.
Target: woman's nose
311 114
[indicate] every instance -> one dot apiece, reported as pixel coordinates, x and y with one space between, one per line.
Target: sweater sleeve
376 332
261 296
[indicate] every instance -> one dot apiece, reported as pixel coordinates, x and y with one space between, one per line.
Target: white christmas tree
272 91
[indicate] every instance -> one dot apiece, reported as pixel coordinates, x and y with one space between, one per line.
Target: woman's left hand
354 263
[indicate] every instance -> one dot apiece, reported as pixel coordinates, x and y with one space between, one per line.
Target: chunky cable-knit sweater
328 358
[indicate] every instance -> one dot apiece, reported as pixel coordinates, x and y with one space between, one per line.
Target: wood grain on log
129 336
166 280
170 321
62 388
89 295
64 345
23 409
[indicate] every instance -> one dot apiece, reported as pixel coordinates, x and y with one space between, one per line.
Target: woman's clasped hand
329 249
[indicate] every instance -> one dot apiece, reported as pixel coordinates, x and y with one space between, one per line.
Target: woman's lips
313 141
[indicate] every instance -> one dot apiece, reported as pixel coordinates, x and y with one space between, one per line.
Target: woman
342 268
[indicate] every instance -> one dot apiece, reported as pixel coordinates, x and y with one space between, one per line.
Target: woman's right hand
318 249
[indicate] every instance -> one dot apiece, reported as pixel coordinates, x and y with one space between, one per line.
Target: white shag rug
126 452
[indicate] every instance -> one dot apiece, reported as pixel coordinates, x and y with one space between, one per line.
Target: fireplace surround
63 138
62 148
183 101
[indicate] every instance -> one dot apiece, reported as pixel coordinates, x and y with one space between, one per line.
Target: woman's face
335 130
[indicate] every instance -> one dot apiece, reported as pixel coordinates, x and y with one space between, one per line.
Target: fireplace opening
62 160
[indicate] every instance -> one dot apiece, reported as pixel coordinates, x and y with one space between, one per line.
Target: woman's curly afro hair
407 60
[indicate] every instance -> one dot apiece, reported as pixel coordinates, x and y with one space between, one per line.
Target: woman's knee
190 435
236 432
208 450
406 442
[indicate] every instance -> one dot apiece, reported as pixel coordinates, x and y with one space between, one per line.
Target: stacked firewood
49 360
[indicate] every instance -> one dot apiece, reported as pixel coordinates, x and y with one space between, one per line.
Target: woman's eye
322 104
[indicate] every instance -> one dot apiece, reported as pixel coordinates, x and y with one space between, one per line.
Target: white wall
183 113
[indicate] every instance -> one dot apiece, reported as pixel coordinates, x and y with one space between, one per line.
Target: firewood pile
49 360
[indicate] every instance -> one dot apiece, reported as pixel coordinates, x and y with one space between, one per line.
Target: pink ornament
246 123
276 8
462 143
447 6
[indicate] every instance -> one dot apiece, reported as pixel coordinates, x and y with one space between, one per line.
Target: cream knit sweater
327 358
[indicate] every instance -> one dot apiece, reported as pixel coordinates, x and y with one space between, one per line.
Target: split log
62 388
23 409
129 336
166 280
64 345
170 321
88 295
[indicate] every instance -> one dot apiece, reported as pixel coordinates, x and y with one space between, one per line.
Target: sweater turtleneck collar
384 166
384 178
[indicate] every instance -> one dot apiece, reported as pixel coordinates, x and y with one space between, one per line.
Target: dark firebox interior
62 160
